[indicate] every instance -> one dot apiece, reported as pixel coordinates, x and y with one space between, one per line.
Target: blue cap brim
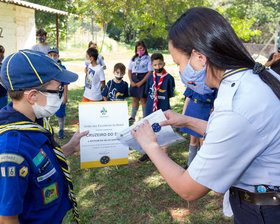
66 76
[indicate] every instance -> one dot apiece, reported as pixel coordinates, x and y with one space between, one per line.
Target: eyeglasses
60 90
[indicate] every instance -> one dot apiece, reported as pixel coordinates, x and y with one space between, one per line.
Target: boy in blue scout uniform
61 113
116 89
159 88
34 179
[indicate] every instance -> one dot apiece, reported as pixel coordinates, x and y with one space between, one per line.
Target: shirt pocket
45 184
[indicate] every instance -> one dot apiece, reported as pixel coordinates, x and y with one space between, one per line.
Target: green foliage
47 21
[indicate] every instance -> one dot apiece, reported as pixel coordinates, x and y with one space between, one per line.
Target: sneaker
131 119
144 158
61 134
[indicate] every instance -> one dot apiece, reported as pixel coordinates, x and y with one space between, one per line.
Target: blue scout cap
53 49
27 68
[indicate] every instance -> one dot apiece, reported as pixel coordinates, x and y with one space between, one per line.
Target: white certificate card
165 135
103 120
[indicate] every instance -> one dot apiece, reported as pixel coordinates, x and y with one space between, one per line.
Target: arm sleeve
101 60
171 87
106 89
102 75
230 146
126 90
130 65
188 93
13 188
150 65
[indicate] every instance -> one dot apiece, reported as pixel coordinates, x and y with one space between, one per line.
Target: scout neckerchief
232 72
48 131
157 87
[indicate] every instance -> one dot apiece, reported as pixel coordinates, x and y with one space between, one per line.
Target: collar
233 72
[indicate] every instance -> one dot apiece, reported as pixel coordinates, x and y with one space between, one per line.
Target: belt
199 101
136 73
262 199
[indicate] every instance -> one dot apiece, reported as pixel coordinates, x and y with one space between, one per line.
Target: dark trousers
245 213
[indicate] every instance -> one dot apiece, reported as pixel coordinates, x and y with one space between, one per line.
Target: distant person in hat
35 182
61 113
42 46
274 61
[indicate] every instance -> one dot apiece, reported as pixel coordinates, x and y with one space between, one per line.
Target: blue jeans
245 213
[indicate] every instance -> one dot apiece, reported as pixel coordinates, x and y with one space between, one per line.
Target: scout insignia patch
50 193
23 171
156 127
105 159
39 157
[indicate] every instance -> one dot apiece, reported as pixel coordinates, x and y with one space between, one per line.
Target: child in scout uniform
95 78
61 113
197 106
116 89
35 183
3 91
159 88
139 70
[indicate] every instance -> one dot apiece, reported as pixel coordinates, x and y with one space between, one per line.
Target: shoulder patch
11 158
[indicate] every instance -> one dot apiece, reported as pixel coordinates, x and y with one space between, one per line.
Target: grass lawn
133 193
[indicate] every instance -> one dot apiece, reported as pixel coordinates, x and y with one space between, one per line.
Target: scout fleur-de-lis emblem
246 196
103 111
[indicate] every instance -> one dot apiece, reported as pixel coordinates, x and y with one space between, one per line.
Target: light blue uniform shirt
141 64
242 143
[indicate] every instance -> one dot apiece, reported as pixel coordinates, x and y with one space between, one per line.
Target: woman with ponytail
241 148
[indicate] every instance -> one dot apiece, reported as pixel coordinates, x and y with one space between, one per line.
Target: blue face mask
195 80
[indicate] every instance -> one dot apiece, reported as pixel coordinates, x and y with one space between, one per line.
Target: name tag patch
50 193
47 175
11 158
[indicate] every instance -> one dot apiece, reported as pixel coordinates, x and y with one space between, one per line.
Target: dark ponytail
206 31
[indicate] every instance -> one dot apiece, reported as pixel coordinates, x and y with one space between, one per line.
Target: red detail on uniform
192 84
43 153
157 87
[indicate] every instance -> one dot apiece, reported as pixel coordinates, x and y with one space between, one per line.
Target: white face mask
53 104
88 62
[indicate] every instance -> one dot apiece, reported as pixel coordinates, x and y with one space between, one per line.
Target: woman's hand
174 119
133 84
144 135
